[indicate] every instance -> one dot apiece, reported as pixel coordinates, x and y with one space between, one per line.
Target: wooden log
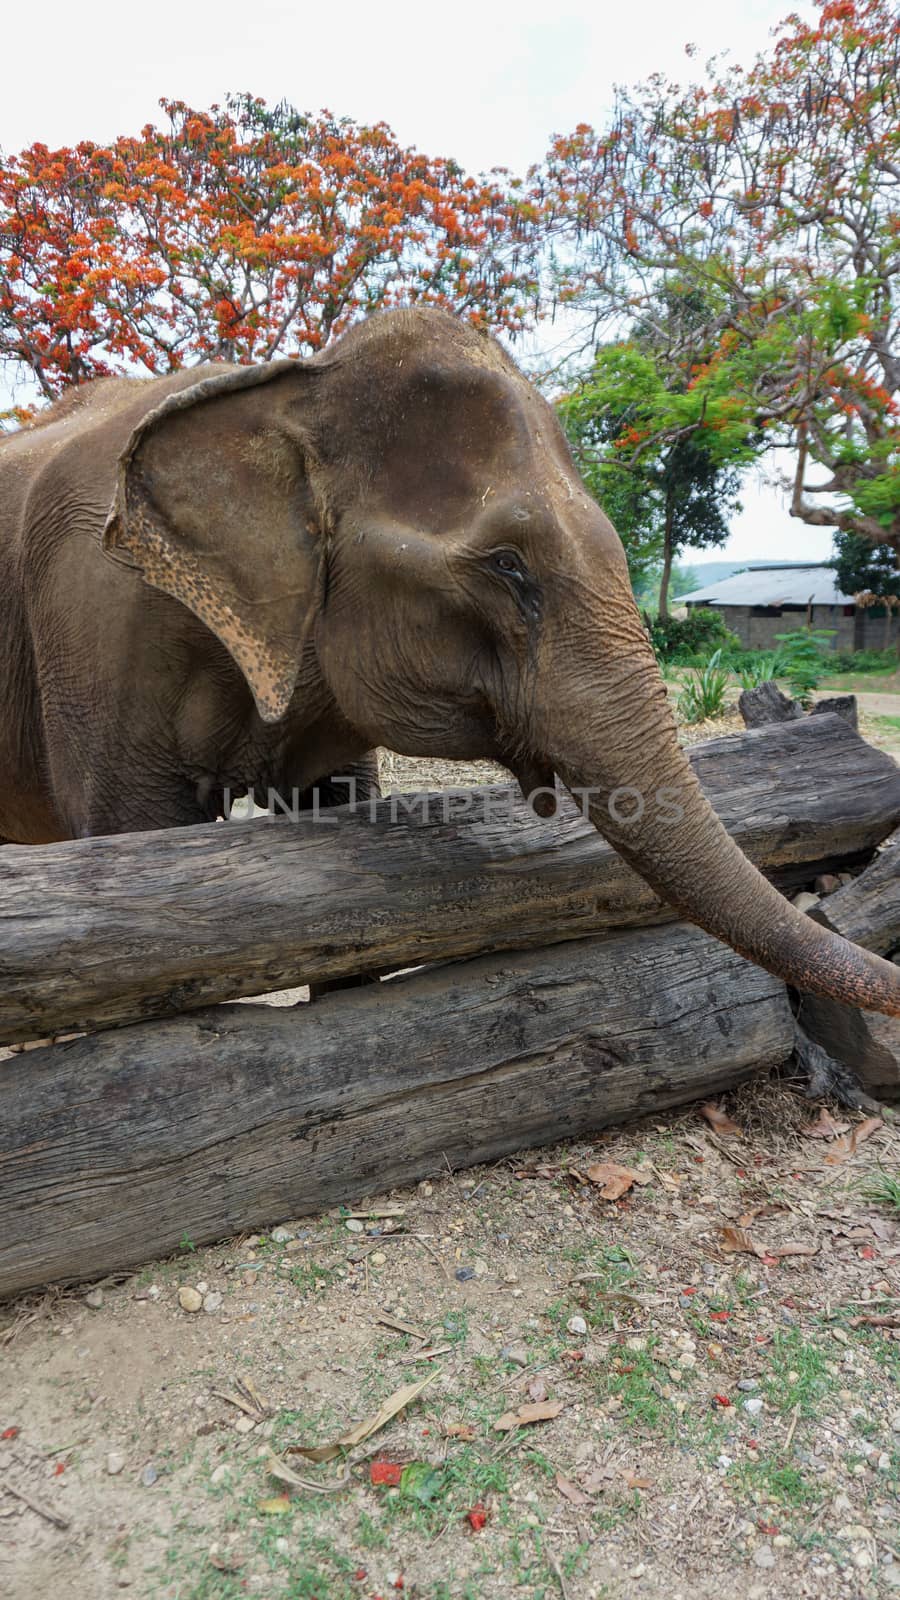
868 912
106 931
765 704
838 705
113 1146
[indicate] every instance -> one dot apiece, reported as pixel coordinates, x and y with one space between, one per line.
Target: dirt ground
712 1362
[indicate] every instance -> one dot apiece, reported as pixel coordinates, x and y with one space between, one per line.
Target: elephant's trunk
678 844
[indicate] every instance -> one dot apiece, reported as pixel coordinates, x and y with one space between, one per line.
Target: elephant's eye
507 562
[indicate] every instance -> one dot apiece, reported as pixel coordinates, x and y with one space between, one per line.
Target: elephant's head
404 507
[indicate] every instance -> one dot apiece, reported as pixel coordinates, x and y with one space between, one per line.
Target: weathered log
114 930
838 705
113 1146
868 912
765 704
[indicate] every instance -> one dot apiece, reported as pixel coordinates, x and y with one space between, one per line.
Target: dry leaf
226 1563
541 1411
378 1213
633 1481
364 1430
572 1492
613 1180
843 1149
739 1239
536 1389
427 1354
779 1250
246 1397
279 1469
274 1507
719 1120
824 1127
398 1326
596 1478
459 1430
872 1320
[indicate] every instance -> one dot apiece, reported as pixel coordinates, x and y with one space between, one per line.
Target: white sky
484 81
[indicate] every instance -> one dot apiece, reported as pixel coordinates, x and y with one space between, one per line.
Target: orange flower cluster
241 233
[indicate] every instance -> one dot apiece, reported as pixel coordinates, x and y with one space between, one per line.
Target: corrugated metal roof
774 586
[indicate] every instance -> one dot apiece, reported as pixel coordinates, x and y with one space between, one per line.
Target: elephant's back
67 455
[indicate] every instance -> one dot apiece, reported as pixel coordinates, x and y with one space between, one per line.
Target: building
762 602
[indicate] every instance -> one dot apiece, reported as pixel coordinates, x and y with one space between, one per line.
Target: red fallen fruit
719 1316
360 1574
721 1400
59 1469
9 1433
386 1472
477 1517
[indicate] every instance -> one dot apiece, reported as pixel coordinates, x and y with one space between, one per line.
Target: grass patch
884 1189
770 1482
799 1376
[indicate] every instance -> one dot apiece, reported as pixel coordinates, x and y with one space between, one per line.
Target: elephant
240 576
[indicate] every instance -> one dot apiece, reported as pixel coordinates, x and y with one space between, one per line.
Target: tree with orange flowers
240 233
773 195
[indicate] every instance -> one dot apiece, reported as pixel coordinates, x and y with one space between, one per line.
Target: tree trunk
868 912
668 556
113 1147
98 932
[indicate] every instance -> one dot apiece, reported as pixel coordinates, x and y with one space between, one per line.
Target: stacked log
102 932
867 910
593 1005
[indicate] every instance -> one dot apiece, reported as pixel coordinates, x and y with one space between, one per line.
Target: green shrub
691 638
760 667
805 659
862 661
704 695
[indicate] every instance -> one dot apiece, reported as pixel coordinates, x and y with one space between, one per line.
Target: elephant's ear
213 505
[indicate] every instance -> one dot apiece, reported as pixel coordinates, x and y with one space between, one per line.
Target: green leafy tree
662 453
871 573
773 192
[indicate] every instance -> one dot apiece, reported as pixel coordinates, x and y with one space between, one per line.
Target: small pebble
463 1274
114 1463
481 1269
149 1475
212 1301
576 1325
890 1575
94 1299
754 1406
353 1225
189 1299
516 1353
748 1384
244 1425
378 1258
281 1235
202 1288
221 1474
764 1556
